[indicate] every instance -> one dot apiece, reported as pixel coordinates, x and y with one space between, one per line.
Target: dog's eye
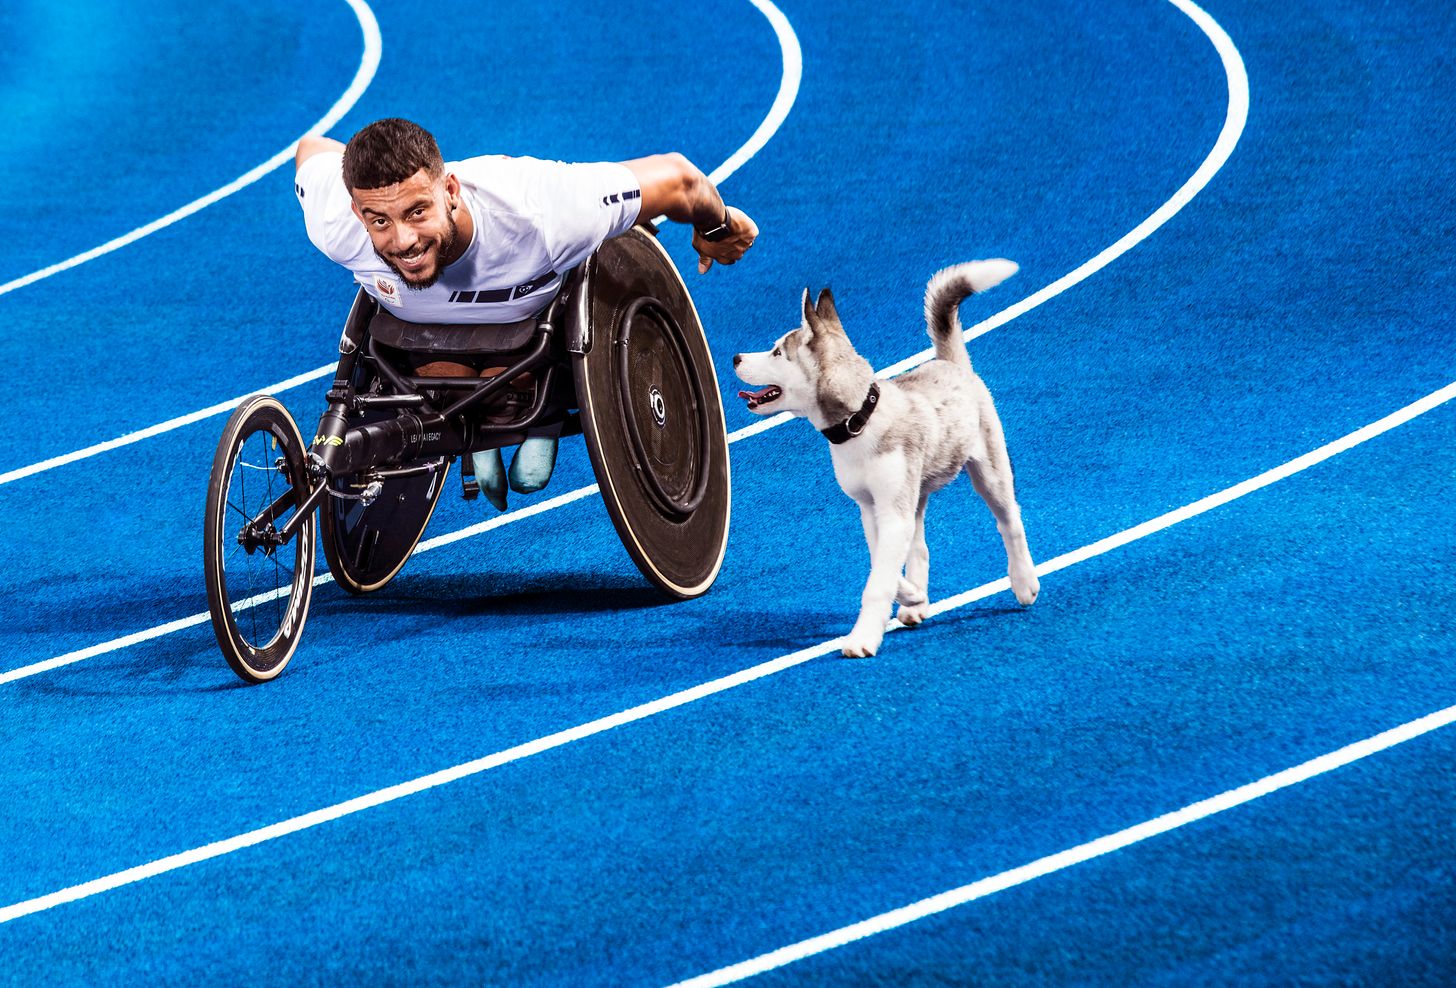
778 351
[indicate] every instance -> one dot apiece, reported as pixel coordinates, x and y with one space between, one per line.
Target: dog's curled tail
943 298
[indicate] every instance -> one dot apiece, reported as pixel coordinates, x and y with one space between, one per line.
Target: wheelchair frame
676 540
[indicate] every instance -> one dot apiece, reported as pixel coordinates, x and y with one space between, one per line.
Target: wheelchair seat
464 338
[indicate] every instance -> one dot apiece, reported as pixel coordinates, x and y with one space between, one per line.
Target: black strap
854 425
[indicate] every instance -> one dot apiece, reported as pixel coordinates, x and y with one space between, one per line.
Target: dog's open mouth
756 399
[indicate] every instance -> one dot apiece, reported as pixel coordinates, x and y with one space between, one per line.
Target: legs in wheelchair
534 459
531 468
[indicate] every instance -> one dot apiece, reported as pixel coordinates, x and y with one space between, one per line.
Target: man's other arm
309 145
674 187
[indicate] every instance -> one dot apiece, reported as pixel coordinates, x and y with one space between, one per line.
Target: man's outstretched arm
674 187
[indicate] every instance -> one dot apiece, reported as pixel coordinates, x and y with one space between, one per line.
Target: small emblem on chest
387 291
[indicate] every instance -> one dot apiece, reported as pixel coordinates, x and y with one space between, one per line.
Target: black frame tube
419 429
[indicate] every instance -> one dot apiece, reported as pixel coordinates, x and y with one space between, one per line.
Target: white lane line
192 621
156 430
702 691
1235 117
368 65
792 57
1191 813
792 61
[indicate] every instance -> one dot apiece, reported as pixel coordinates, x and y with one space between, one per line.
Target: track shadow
487 594
809 634
106 605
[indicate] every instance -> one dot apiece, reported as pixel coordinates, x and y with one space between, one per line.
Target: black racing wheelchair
619 356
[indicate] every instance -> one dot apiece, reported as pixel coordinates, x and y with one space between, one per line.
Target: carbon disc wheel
652 416
366 545
258 591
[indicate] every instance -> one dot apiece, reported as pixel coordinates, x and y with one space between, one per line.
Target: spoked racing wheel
258 585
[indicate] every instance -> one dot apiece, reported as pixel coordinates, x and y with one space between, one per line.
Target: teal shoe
490 475
532 465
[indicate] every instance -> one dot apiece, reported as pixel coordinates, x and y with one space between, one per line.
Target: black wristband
720 231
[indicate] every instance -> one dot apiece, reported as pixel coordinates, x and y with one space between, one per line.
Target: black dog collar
854 425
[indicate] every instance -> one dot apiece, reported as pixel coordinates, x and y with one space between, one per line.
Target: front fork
319 463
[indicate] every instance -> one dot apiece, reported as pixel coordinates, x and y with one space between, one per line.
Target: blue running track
402 807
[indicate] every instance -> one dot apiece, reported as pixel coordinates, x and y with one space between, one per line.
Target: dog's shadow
825 632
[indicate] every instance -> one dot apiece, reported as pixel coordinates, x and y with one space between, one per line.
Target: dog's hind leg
992 478
914 585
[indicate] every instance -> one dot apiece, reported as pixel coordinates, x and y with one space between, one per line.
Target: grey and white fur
928 425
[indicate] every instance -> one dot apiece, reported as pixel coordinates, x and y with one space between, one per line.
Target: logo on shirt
617 197
387 291
506 294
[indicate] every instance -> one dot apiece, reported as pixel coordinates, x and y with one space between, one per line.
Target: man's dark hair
388 152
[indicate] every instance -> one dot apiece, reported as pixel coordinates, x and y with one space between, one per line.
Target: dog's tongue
756 396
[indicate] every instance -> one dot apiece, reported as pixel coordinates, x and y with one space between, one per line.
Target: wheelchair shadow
512 594
172 662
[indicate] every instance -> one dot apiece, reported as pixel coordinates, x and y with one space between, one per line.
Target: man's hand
742 232
675 187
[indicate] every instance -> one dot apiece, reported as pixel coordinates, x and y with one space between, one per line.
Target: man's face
412 225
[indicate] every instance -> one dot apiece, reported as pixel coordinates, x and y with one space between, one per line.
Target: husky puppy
895 442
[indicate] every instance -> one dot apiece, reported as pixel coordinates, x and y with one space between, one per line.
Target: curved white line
791 59
1237 114
455 773
1235 119
368 64
156 430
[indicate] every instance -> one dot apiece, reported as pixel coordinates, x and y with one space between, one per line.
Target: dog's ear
828 315
811 318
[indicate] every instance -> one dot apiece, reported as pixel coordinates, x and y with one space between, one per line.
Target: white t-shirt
534 221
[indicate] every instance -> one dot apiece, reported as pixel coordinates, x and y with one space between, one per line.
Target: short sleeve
584 205
327 210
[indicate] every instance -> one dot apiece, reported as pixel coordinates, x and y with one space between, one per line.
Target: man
488 239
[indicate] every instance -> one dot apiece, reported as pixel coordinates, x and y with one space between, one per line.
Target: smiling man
488 239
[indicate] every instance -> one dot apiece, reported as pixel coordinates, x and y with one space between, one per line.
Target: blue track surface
1305 292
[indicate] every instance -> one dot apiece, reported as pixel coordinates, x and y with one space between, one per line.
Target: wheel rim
261 586
662 405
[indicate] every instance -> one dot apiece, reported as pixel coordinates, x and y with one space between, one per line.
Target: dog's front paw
1025 585
908 594
912 614
863 641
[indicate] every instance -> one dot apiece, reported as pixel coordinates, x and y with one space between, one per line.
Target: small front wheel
258 586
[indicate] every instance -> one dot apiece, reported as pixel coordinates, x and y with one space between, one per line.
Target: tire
367 546
652 416
258 598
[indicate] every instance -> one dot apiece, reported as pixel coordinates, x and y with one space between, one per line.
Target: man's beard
446 248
